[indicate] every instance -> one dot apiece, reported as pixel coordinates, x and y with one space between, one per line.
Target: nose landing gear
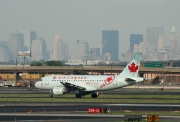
50 94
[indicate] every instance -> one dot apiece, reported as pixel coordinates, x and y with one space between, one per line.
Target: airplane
91 84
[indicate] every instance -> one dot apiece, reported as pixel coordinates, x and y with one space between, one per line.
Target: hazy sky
85 19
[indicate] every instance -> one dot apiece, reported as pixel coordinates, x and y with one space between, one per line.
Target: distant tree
84 73
54 63
34 61
42 60
36 64
4 63
11 62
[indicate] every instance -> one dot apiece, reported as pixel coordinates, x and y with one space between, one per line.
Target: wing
73 87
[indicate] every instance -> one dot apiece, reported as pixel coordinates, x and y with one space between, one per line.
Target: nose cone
36 84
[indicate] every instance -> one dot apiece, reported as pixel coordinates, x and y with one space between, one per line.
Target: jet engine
60 90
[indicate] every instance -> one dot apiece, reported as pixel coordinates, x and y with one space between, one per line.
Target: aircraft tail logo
132 68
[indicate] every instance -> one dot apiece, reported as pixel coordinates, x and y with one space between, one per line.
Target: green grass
107 98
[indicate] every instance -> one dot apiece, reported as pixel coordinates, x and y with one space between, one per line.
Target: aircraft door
115 81
47 80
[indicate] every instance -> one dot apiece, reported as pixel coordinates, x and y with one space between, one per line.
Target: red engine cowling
60 90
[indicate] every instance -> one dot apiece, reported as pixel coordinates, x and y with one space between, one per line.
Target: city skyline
85 20
109 38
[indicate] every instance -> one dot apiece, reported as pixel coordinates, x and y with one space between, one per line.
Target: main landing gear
94 95
50 94
78 95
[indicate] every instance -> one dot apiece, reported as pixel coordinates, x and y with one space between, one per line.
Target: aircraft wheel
78 95
94 95
50 95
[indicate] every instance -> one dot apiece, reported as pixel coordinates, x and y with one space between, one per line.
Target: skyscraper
153 34
66 52
16 44
28 37
173 42
39 49
110 44
5 53
82 49
135 39
160 43
95 53
58 47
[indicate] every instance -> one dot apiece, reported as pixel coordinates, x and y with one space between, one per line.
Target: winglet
132 68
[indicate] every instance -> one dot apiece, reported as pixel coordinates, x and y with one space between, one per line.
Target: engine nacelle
60 90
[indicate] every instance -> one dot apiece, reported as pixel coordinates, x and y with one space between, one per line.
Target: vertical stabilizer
132 68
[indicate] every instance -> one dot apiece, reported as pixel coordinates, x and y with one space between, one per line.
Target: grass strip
109 98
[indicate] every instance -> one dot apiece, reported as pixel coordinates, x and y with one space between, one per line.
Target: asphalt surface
82 107
32 90
76 117
78 111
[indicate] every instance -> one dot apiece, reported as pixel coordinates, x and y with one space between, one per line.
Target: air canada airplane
91 84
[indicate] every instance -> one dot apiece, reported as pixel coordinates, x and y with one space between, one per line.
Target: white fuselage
90 82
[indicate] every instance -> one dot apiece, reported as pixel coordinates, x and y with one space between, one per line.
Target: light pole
84 57
24 54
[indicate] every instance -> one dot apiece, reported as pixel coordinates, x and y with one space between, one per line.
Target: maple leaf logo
133 67
109 80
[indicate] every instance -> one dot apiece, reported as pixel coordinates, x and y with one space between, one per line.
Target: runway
55 111
82 107
77 111
125 91
74 117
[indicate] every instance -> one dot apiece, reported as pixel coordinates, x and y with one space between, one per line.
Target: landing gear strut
78 95
50 94
94 95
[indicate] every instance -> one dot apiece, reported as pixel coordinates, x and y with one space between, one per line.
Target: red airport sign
94 110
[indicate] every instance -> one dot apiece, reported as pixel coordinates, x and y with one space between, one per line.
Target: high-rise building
147 51
135 39
5 52
174 43
51 54
95 53
160 43
58 48
39 49
153 34
128 56
28 36
16 44
110 44
66 52
82 50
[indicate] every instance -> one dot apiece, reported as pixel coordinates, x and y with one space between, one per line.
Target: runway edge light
153 118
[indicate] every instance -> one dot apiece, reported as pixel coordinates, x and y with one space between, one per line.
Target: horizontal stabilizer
129 79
